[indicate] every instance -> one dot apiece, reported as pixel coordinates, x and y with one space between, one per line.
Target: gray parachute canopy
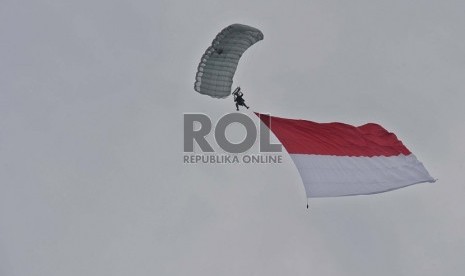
217 67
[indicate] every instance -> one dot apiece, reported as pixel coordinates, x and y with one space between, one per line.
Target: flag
336 159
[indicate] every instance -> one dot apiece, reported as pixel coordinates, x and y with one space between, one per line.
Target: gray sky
92 95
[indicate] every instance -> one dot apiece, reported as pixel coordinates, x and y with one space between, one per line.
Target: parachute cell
217 66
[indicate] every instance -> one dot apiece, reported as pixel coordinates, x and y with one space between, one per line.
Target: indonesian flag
336 159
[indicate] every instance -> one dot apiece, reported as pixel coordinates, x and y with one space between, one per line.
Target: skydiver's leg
246 106
237 106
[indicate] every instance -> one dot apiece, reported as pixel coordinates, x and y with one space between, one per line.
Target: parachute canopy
217 67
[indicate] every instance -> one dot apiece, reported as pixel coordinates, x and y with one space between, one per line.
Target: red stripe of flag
307 137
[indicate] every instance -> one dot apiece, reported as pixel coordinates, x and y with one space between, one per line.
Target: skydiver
238 98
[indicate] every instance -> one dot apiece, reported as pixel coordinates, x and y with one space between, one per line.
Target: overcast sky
92 96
